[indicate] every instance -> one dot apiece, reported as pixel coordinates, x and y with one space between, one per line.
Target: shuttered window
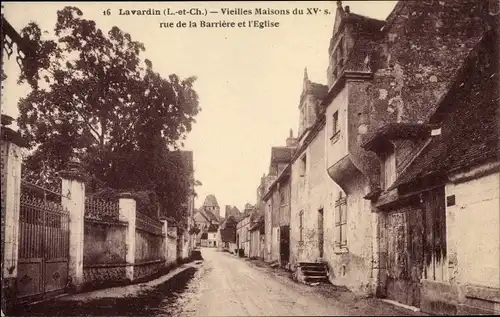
341 222
389 169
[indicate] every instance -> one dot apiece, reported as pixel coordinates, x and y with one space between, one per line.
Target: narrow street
231 286
221 285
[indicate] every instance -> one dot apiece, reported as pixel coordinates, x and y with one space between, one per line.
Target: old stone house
312 190
257 237
212 231
243 231
257 220
439 198
380 72
276 211
277 203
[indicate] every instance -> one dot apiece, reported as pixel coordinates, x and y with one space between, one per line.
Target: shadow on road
155 301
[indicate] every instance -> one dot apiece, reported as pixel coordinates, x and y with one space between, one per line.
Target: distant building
211 236
227 234
275 201
243 231
208 214
210 205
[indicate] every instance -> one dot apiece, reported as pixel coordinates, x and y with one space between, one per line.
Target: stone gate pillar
127 205
11 192
73 199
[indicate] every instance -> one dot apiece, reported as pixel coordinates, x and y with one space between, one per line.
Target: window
335 123
341 222
301 227
303 165
335 128
388 168
283 196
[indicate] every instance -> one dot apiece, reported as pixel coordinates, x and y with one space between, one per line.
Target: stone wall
352 266
423 45
96 275
104 242
149 246
470 286
476 206
171 241
148 269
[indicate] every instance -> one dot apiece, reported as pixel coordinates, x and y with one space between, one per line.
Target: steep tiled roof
364 23
256 214
318 90
393 131
213 228
258 223
281 154
210 215
210 201
232 211
469 115
201 212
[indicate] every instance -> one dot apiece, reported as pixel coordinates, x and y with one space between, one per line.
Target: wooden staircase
311 272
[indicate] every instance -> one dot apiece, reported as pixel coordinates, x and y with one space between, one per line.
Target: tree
194 230
95 99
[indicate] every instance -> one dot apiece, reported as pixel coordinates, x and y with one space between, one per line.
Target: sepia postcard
250 158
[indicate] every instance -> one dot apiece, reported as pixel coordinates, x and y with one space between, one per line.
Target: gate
405 256
43 247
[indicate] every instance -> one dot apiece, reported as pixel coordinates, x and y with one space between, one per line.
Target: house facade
243 231
277 209
207 215
380 73
440 211
257 237
227 233
257 220
212 233
275 200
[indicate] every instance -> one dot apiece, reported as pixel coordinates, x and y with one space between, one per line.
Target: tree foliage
94 98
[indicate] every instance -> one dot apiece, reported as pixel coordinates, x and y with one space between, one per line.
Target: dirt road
230 286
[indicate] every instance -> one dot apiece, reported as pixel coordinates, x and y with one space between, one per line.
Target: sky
249 79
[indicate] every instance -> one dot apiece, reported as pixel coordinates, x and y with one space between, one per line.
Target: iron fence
99 209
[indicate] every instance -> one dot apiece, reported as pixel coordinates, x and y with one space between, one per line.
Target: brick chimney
291 141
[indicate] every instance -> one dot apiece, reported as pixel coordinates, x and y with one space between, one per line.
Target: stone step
313 279
314 273
312 268
311 263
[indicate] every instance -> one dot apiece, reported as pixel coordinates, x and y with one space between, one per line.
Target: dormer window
388 167
303 166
